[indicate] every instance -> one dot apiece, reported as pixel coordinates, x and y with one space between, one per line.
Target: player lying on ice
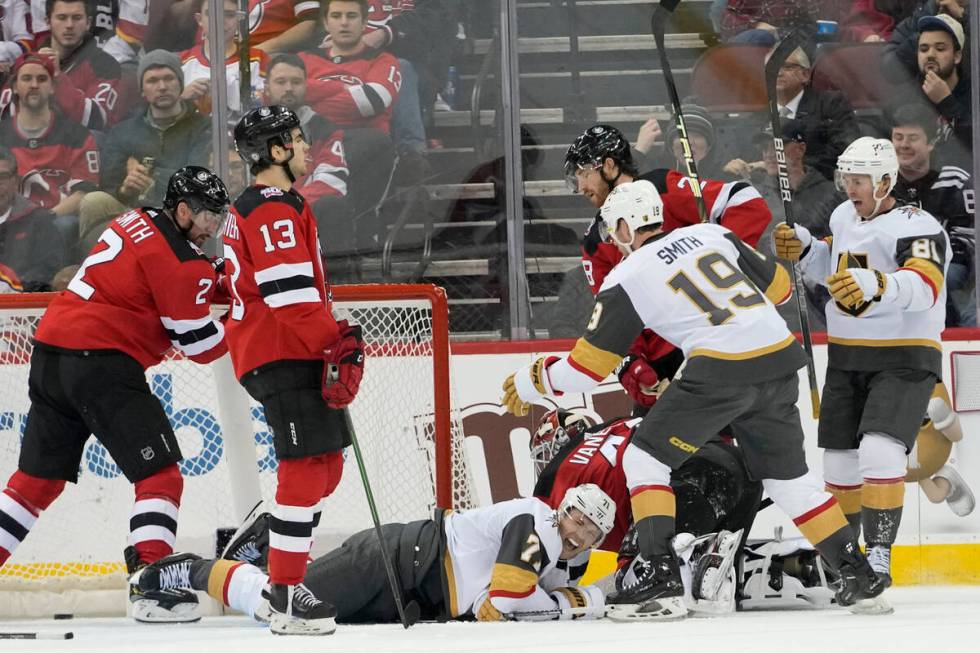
708 293
508 560
717 501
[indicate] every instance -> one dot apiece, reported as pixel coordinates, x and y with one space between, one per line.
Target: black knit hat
697 120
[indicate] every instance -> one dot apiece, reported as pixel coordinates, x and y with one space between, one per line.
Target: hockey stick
657 26
776 59
244 62
550 614
409 614
38 635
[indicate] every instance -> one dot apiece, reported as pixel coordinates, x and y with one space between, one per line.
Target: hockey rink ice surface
932 619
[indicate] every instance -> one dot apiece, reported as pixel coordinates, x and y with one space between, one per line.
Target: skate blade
147 611
667 609
878 605
281 624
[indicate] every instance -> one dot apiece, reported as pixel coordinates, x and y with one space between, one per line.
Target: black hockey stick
408 613
777 57
38 635
244 59
657 26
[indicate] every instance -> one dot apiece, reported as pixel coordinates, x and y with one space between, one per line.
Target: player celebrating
146 287
885 267
289 352
600 160
498 562
713 297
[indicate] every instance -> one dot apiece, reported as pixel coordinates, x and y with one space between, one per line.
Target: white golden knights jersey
881 335
502 559
707 293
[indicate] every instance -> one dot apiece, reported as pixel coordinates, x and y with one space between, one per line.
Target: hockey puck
64 615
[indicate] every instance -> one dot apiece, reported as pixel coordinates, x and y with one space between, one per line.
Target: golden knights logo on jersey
847 260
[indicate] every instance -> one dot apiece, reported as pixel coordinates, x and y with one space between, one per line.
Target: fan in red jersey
289 352
145 288
599 160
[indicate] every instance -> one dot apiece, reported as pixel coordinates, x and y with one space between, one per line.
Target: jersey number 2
114 244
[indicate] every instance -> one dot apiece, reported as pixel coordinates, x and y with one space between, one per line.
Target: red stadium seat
731 77
854 70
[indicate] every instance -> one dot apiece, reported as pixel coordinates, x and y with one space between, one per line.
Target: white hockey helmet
594 504
874 157
637 203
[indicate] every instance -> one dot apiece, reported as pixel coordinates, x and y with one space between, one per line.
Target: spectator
700 132
325 186
828 119
355 87
282 25
197 67
946 87
86 78
946 193
760 21
16 37
57 158
31 247
872 21
141 153
899 63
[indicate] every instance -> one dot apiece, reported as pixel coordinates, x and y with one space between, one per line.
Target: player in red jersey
286 346
713 488
145 288
599 160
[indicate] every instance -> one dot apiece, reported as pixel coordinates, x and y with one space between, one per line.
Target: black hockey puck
64 615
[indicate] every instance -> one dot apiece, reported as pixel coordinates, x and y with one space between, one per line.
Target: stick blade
412 613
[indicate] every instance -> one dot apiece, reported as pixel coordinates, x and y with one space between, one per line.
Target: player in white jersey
885 267
711 295
508 560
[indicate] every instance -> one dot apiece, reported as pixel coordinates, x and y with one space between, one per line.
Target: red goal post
407 424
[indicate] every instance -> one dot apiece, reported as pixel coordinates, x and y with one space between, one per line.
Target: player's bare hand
648 135
197 88
934 87
789 242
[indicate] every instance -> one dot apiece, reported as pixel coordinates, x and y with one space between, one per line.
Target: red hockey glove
639 380
222 285
344 367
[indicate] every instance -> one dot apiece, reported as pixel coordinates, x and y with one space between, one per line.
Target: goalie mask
874 157
592 502
638 204
554 431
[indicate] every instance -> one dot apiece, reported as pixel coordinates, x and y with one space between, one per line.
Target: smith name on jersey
707 293
502 559
144 289
881 335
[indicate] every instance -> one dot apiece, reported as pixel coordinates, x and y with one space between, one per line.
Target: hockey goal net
404 418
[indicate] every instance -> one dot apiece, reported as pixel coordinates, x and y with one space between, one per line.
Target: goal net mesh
79 541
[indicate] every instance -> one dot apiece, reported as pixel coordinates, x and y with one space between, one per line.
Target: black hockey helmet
595 145
204 193
260 129
199 187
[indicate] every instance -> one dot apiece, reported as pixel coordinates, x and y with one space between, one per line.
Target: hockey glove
344 367
584 602
790 243
222 285
856 285
639 380
526 385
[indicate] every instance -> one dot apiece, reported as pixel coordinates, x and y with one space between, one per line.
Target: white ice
932 619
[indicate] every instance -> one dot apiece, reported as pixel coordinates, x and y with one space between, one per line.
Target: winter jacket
31 245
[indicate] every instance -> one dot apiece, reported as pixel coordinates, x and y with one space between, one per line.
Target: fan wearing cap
885 266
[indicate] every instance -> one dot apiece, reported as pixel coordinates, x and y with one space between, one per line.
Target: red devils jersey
62 160
87 90
280 308
380 13
325 161
357 91
269 18
594 457
736 205
143 289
